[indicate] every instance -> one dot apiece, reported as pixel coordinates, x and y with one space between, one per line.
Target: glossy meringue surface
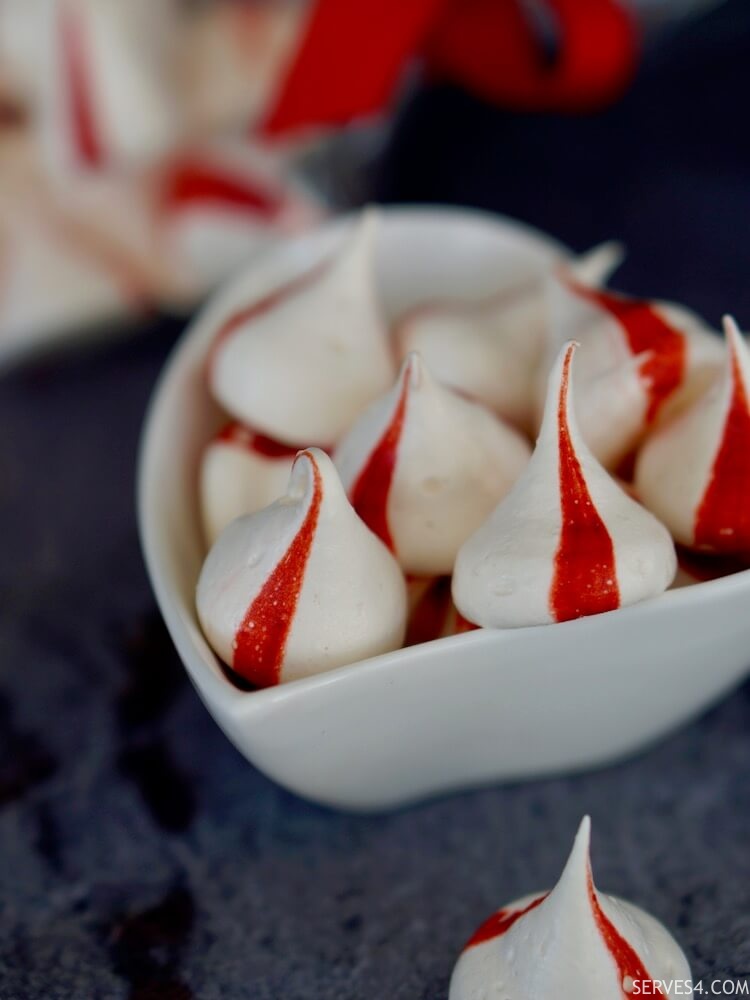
423 467
694 472
573 941
567 541
301 364
301 586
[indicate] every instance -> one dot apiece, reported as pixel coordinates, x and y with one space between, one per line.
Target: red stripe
261 640
493 49
628 963
241 436
500 923
722 521
663 372
369 495
430 615
191 183
78 90
585 575
349 60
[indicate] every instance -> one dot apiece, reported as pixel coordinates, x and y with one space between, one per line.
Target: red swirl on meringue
423 467
301 586
694 472
572 941
639 361
567 541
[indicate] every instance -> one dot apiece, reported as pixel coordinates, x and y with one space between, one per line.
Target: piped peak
371 490
585 575
301 363
596 266
722 520
424 466
572 941
260 641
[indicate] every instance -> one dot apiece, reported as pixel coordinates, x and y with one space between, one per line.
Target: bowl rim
237 701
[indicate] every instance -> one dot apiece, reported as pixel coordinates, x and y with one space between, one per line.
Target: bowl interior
421 255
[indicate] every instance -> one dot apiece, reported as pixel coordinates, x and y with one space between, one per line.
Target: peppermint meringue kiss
423 468
639 361
567 541
241 472
301 586
694 472
571 942
301 364
491 350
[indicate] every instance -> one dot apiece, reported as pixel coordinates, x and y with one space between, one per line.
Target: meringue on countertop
301 364
241 472
301 586
490 350
567 541
571 942
639 361
424 466
694 472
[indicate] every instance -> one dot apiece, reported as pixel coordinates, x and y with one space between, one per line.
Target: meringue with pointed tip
423 467
241 472
573 941
490 350
567 541
639 361
302 364
694 472
301 586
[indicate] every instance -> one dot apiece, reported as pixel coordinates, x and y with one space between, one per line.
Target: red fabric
348 64
349 60
490 46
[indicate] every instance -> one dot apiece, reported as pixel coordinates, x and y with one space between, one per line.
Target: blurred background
148 148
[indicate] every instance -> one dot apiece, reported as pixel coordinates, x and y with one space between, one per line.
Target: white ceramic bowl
457 712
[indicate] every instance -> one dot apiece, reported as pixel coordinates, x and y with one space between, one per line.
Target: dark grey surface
141 857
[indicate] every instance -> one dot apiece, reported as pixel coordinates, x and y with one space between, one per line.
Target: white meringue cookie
566 541
694 472
571 942
639 361
304 368
241 472
423 467
301 586
490 350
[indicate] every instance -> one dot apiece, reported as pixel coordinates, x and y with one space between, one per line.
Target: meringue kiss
567 541
301 364
490 350
423 467
571 942
241 472
694 472
301 586
639 361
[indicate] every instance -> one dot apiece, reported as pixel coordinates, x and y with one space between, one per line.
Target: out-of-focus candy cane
102 76
220 202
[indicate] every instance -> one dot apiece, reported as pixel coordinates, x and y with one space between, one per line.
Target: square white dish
475 708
